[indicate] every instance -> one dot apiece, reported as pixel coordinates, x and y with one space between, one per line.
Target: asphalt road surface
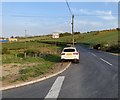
96 76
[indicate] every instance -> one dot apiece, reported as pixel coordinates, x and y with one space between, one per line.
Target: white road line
106 61
56 87
93 54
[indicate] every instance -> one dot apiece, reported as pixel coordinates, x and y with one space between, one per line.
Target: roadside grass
44 55
34 71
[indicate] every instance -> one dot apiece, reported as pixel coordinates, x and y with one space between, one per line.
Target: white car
70 53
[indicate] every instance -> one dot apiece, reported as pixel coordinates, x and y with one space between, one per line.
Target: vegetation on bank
104 40
24 55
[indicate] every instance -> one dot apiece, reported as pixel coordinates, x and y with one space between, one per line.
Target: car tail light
62 53
75 53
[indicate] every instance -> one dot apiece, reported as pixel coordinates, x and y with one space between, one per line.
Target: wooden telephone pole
73 29
25 45
72 22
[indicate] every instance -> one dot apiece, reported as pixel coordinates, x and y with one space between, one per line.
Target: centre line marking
106 61
56 87
93 54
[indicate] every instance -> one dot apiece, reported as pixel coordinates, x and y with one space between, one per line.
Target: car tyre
62 60
76 61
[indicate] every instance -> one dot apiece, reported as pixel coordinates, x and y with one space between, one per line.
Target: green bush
20 55
5 51
115 48
23 78
26 70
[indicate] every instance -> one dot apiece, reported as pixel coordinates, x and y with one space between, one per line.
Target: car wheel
62 60
76 61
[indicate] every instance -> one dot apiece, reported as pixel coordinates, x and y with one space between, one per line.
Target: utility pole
25 39
73 29
25 44
72 22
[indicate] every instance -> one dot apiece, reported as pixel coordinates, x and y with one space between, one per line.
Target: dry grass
10 78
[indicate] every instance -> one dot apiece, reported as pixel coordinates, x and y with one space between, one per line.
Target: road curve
96 76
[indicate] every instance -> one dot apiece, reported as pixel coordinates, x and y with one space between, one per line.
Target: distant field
22 39
108 39
92 37
109 36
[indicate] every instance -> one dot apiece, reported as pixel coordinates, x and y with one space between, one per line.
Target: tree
118 29
61 34
66 34
76 33
12 36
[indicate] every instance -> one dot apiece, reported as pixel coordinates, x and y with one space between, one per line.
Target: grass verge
39 59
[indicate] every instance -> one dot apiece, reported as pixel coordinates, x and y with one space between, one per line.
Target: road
96 76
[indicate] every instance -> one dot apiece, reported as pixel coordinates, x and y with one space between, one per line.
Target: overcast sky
40 18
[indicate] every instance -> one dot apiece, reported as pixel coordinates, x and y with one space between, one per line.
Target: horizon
58 33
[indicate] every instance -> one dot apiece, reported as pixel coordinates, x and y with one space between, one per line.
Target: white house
12 39
55 35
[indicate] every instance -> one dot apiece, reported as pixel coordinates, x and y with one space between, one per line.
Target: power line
36 16
69 7
72 22
15 15
95 15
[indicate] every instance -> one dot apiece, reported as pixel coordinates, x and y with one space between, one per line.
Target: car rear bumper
70 58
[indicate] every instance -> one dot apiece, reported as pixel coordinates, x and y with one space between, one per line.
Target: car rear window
69 50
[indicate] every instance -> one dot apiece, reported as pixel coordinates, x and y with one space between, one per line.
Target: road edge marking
35 81
56 87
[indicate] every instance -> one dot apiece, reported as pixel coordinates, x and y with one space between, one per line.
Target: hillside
108 39
110 36
100 37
